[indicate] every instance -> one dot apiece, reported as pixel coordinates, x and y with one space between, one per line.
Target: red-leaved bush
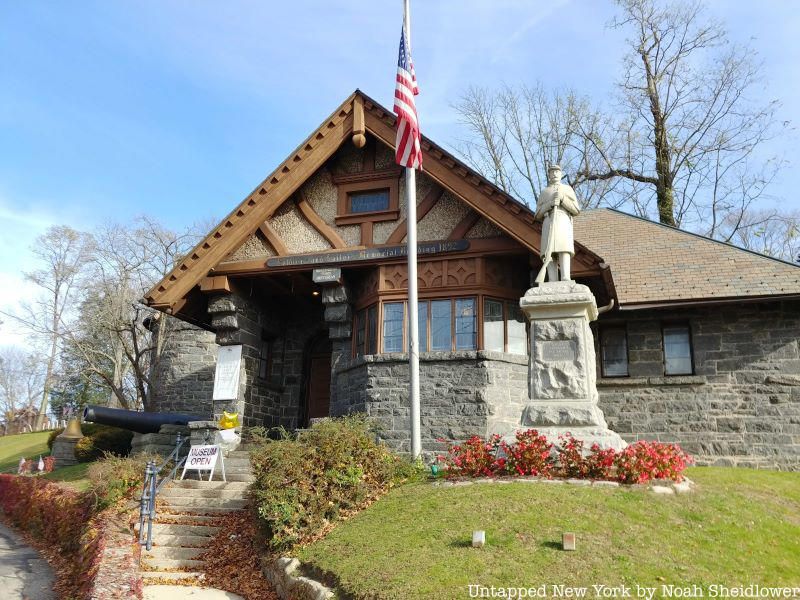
644 461
532 454
528 455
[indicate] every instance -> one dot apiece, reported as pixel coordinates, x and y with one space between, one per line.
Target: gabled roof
657 264
357 114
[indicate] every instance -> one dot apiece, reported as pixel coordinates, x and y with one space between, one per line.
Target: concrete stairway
187 520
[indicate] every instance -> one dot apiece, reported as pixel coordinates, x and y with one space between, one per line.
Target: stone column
562 375
339 319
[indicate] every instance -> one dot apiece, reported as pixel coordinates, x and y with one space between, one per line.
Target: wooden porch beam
325 230
463 227
273 238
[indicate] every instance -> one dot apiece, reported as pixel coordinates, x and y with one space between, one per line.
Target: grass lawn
739 527
74 476
29 445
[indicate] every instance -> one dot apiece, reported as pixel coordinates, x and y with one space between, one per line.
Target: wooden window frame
603 328
688 326
265 355
360 182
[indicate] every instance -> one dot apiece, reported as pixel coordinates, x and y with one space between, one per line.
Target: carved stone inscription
559 350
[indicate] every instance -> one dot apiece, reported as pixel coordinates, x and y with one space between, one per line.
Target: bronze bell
73 429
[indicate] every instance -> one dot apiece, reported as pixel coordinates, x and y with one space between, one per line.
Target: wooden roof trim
318 223
258 206
273 238
423 208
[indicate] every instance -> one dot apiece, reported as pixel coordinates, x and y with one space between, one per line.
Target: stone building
697 342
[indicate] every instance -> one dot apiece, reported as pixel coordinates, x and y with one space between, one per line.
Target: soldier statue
556 206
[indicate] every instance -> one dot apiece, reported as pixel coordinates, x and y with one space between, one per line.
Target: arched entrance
318 379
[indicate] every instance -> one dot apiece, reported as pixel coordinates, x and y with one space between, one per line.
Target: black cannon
140 422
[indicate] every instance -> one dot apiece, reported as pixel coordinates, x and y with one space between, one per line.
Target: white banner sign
204 458
226 377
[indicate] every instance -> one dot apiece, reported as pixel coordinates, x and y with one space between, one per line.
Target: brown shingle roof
654 263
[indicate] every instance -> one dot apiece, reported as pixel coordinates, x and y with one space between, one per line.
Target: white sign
226 377
204 458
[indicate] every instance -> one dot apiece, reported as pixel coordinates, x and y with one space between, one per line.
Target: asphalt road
24 574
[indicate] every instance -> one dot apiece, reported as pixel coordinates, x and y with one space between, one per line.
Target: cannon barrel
140 422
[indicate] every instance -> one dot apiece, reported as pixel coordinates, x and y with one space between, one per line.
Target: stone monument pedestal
64 445
562 377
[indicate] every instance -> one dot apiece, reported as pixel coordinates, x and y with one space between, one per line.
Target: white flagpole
413 325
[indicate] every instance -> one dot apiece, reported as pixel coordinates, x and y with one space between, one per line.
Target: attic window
369 201
367 197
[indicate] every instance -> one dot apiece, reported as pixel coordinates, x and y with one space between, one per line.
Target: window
677 350
372 329
265 358
466 324
614 351
504 331
365 337
393 315
441 325
494 336
422 326
517 333
370 201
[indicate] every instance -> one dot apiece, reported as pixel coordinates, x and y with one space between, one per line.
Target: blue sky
177 109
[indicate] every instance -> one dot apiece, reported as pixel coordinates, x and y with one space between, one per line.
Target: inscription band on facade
367 254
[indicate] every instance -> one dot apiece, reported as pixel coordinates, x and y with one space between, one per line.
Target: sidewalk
24 574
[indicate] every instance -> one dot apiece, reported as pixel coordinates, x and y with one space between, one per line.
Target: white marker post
413 325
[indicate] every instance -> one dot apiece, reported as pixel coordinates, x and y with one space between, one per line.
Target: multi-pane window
365 338
614 351
393 315
517 334
369 201
444 325
265 358
677 350
441 325
494 334
504 327
466 323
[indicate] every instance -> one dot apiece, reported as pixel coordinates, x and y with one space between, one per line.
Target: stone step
184 519
245 477
173 553
206 511
184 492
209 485
171 575
171 564
182 540
179 502
165 529
236 461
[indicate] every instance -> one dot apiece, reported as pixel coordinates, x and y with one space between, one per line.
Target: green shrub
113 478
334 469
99 440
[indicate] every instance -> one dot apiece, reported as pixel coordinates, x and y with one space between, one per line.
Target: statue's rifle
548 255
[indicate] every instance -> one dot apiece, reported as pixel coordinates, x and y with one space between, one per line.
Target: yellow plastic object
228 420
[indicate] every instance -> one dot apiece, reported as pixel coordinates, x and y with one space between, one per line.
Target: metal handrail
152 485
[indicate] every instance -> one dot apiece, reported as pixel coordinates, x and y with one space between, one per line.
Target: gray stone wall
742 404
182 378
465 393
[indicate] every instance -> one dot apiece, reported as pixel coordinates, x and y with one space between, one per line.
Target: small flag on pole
408 151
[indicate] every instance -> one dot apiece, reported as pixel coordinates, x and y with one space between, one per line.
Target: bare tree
113 337
516 132
771 233
691 124
62 252
22 376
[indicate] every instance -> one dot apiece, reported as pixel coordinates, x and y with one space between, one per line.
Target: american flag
408 153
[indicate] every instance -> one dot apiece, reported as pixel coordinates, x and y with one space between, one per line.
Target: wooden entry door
319 379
